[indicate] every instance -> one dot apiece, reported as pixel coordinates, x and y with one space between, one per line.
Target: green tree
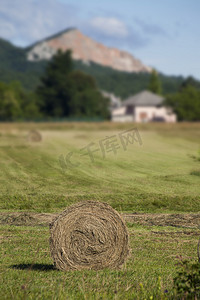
154 83
27 101
87 100
186 103
64 92
55 92
9 107
190 81
17 104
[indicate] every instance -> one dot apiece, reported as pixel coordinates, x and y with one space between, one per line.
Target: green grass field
160 176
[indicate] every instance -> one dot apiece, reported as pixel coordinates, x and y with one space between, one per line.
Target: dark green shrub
187 281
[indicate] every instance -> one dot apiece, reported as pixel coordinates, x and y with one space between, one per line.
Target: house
143 107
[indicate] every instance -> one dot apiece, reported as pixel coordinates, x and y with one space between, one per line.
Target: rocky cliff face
85 49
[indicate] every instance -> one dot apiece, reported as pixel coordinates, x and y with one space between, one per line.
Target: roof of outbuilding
144 98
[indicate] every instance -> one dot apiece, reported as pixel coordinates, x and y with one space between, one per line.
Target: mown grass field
160 176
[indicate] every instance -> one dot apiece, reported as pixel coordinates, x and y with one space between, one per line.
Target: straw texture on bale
88 235
34 136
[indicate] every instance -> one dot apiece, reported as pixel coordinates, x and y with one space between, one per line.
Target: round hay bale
34 136
88 235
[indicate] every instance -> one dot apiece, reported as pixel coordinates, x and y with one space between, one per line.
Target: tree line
185 102
65 92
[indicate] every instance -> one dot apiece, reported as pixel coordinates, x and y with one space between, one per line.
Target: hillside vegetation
63 88
14 66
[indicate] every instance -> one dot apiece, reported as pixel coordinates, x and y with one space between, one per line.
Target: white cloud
24 22
30 20
113 32
110 27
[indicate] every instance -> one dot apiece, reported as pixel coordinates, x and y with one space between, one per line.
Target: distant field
162 174
158 182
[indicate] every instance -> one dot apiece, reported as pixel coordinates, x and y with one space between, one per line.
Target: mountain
87 50
15 66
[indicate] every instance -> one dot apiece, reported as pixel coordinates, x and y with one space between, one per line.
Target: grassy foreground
160 176
27 271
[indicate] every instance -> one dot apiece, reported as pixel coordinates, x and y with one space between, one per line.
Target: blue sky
163 34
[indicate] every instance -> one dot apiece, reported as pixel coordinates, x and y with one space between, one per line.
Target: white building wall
119 115
143 114
119 111
146 114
